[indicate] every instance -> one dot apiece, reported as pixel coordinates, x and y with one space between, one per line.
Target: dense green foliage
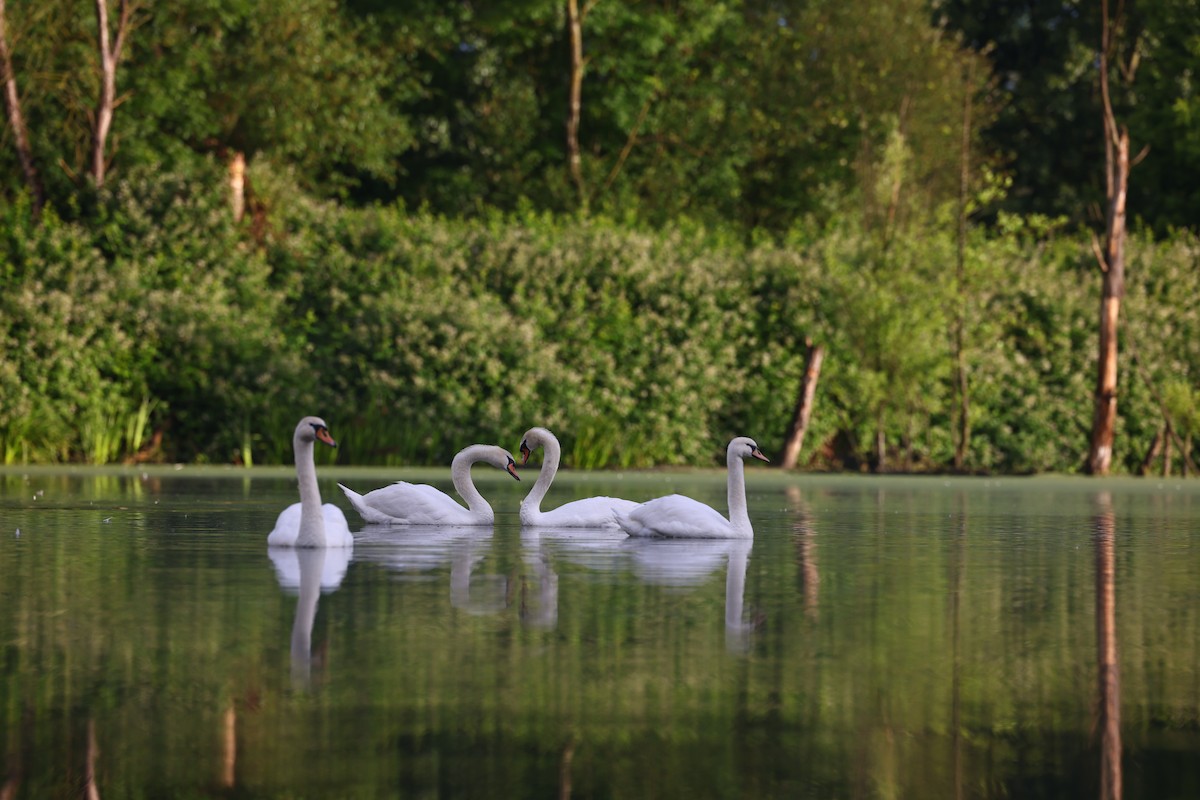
415 334
1048 131
742 112
418 265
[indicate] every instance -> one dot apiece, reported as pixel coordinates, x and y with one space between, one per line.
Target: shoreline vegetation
875 237
163 331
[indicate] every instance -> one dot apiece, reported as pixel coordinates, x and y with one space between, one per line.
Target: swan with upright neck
405 503
676 516
591 512
308 523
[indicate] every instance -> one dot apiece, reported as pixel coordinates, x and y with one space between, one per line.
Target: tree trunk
804 406
16 121
1166 470
574 160
237 185
1104 420
1116 148
110 53
1153 453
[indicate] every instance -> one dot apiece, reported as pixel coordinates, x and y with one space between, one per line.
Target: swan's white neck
531 506
312 519
739 518
460 473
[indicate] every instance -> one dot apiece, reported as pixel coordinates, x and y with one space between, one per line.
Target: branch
122 27
1098 252
1145 151
629 142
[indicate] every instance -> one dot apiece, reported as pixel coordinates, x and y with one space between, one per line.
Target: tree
575 17
110 54
1112 262
12 105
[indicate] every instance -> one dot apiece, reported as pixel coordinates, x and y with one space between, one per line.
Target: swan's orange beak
759 455
323 435
512 469
525 453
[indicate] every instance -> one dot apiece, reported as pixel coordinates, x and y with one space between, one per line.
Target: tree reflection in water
1109 670
805 537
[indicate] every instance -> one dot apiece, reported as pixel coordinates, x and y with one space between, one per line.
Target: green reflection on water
881 638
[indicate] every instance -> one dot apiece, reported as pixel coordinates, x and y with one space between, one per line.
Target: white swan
676 516
308 523
591 512
405 503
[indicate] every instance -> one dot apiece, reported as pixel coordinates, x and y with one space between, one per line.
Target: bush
152 312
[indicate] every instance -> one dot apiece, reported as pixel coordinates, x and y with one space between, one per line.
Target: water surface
884 637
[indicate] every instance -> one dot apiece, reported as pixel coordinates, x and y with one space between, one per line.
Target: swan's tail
356 500
369 514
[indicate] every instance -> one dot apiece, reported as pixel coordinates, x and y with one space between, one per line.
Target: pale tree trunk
16 121
804 406
110 54
575 17
1116 151
237 185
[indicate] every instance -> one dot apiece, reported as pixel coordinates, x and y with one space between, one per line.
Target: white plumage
308 523
677 516
590 512
405 503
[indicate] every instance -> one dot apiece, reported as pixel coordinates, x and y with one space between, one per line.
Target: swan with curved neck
682 517
308 523
591 512
405 503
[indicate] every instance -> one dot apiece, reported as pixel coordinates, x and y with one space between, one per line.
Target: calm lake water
891 637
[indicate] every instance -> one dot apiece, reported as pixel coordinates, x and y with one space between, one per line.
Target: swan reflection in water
673 563
310 572
686 563
423 549
598 550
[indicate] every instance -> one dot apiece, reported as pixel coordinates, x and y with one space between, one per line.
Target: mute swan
405 503
308 523
676 516
591 512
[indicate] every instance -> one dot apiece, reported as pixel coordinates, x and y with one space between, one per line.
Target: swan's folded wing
337 529
590 512
414 503
676 516
287 527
